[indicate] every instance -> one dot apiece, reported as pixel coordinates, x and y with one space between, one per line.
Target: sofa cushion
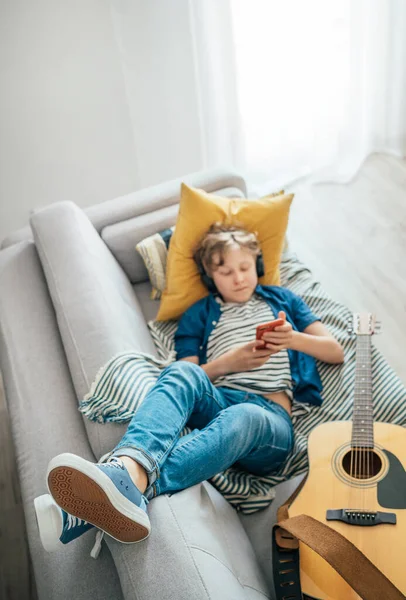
44 422
154 253
199 538
121 238
149 306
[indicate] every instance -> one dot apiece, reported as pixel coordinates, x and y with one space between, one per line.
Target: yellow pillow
197 211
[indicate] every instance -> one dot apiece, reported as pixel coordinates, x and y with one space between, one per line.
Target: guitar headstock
364 324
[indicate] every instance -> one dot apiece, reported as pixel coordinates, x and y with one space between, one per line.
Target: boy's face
237 278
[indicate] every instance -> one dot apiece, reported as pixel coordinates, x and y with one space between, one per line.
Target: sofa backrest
144 201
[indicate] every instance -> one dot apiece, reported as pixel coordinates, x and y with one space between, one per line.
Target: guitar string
362 430
355 456
361 462
358 504
366 425
370 417
365 418
352 472
367 438
353 448
362 505
360 422
371 420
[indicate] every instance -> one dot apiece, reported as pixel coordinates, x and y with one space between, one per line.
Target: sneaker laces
95 551
115 461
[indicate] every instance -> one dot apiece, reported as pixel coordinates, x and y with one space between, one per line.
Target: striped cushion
154 252
123 383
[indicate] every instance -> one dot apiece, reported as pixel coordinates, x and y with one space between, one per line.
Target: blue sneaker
102 494
57 527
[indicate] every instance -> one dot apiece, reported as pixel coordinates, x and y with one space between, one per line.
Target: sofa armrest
44 421
98 313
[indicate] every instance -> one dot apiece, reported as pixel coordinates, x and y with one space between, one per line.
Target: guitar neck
363 416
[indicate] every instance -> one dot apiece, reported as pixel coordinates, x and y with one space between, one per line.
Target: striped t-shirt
237 325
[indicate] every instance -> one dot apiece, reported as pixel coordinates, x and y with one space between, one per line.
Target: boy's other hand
280 338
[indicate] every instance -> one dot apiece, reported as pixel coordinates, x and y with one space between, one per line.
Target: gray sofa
74 292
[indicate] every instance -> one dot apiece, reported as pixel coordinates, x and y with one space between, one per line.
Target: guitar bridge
361 517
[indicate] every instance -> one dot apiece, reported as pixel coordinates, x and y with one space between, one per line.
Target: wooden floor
353 237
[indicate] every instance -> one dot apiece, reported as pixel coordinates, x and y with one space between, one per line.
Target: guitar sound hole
362 463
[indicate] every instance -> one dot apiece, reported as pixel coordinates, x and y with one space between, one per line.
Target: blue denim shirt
199 320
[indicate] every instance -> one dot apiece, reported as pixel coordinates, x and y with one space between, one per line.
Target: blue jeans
229 427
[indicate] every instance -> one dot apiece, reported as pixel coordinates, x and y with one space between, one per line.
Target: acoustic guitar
356 485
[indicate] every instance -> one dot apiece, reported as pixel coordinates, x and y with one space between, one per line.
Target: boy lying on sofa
234 391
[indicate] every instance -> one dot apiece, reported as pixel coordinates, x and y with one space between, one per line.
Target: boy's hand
251 355
280 338
244 358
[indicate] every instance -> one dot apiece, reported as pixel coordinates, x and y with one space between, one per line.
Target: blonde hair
219 239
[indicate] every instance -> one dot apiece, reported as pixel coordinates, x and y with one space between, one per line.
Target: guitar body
332 485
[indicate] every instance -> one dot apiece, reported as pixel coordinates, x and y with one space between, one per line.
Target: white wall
78 82
157 56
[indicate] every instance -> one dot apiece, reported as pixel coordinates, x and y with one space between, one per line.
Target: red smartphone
265 327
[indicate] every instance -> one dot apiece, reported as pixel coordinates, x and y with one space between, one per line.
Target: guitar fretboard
363 418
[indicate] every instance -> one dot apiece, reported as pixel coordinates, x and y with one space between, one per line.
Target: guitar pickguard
392 488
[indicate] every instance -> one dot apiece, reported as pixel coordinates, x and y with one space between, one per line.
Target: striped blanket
122 384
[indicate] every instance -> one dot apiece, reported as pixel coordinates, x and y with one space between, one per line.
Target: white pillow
154 252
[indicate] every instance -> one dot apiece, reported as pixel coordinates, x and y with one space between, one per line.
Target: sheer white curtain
297 88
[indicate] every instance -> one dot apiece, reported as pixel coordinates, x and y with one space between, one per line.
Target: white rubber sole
50 522
83 490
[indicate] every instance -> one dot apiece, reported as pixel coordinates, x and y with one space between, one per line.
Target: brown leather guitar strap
353 566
